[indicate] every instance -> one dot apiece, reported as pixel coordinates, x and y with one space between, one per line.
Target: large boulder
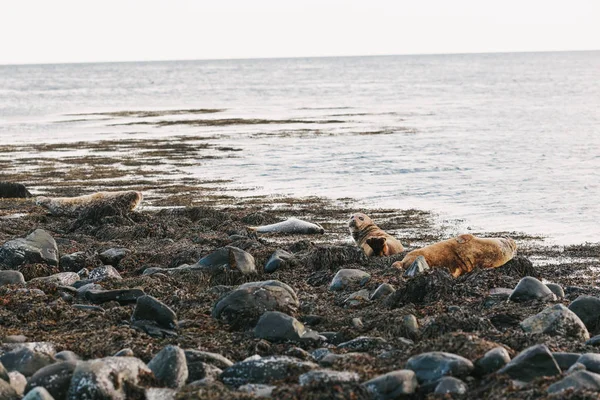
532 363
557 320
430 367
587 309
37 247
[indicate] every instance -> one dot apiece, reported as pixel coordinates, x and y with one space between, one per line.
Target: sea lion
371 239
290 226
464 253
123 201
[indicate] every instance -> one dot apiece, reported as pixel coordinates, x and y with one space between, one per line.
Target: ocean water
499 142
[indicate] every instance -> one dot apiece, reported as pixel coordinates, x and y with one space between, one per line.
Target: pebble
530 288
492 361
382 291
37 247
557 320
227 258
587 309
276 326
55 378
10 277
532 363
265 370
73 262
432 366
346 278
277 260
410 325
150 309
393 385
113 256
450 385
170 367
102 273
327 376
357 299
565 360
556 289
39 393
357 323
578 380
417 267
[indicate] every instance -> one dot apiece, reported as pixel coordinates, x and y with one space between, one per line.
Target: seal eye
361 218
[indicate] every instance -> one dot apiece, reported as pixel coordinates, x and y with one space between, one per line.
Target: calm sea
496 141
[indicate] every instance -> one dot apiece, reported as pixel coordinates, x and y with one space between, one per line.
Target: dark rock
62 278
25 360
265 370
557 320
579 380
277 260
11 278
431 286
39 393
103 272
275 326
530 288
492 361
170 367
565 360
556 289
73 262
37 247
531 363
123 296
450 385
193 356
7 392
113 256
594 341
432 366
327 376
244 306
228 259
357 299
67 355
11 190
417 267
587 309
346 278
364 343
55 378
382 291
150 309
591 361
311 320
393 385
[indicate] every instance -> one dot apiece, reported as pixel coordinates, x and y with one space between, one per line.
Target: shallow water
501 142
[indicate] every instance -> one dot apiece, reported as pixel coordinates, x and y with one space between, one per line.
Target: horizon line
300 57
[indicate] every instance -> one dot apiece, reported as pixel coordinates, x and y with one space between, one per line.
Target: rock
556 289
410 325
18 381
149 310
39 393
432 366
357 323
575 367
113 256
364 343
265 370
15 339
4 373
277 260
565 360
450 385
25 360
327 376
531 363
492 361
393 385
170 367
587 309
228 259
417 267
497 296
7 392
201 370
591 361
62 278
357 299
320 353
126 352
122 296
557 320
530 288
160 394
11 278
382 290
193 356
257 390
332 257
95 379
346 278
243 306
37 247
12 190
55 378
578 380
594 341
104 272
275 326
67 355
73 262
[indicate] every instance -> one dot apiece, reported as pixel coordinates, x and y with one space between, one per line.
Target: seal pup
291 226
372 239
123 201
464 253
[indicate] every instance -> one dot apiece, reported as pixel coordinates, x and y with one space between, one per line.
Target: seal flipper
378 244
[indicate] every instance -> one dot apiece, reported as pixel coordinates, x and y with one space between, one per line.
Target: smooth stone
227 258
382 290
557 320
200 370
192 356
25 360
67 355
587 309
532 363
594 341
530 288
277 260
565 360
276 326
11 277
56 378
410 324
61 278
170 367
257 390
434 365
104 272
150 309
18 381
14 339
126 352
393 385
113 256
37 247
417 267
591 361
575 367
39 393
556 289
7 392
265 370
73 262
492 361
450 385
122 296
327 376
346 278
578 380
364 343
243 306
357 299
13 190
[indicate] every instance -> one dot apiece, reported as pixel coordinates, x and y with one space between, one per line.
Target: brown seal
464 253
371 239
124 201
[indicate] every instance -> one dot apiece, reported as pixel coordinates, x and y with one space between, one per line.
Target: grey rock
122 296
11 278
82 290
126 352
7 392
393 385
160 394
556 289
492 361
276 326
364 343
450 385
410 325
67 355
25 360
102 273
39 393
432 366
113 256
62 278
591 361
87 307
357 323
587 309
530 288
257 390
200 370
327 376
243 306
382 290
318 354
4 373
579 380
346 278
73 262
594 341
192 356
229 259
55 378
575 367
15 339
277 260
531 363
170 367
150 309
557 320
265 370
357 299
417 267
18 381
565 360
37 247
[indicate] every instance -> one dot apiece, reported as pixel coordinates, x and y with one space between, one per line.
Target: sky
60 31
